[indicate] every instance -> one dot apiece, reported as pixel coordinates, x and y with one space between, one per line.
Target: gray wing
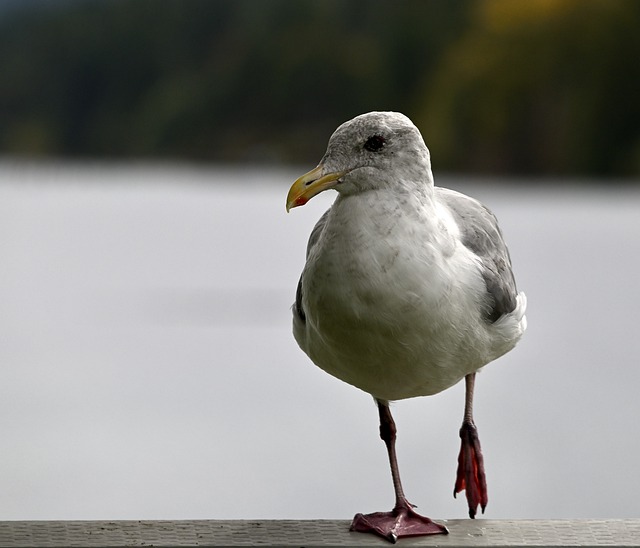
481 234
313 238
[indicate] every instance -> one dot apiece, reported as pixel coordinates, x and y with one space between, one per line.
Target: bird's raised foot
471 477
401 522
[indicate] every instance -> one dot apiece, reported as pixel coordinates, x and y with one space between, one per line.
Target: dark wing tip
298 306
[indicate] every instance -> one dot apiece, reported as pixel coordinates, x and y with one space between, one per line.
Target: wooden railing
480 532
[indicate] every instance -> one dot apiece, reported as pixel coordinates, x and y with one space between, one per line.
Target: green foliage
543 86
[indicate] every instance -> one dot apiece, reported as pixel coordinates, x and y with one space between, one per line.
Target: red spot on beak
300 201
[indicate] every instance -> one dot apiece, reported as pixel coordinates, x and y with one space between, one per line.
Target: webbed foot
471 477
402 521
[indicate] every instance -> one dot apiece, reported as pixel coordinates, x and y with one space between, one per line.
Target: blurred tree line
547 87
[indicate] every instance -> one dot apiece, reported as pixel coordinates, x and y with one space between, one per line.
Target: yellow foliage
506 15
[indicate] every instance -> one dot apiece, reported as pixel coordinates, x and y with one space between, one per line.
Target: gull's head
371 151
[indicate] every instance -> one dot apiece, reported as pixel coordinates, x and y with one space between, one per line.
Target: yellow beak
310 184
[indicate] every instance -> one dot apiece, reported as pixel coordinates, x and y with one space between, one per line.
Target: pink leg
402 521
471 476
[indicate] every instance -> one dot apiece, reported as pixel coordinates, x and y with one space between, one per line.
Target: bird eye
374 143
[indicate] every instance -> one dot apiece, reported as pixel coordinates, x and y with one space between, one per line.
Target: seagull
407 289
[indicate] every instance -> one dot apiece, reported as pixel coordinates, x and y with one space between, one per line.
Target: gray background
148 370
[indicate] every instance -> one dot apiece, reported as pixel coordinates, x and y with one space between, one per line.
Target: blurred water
148 370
